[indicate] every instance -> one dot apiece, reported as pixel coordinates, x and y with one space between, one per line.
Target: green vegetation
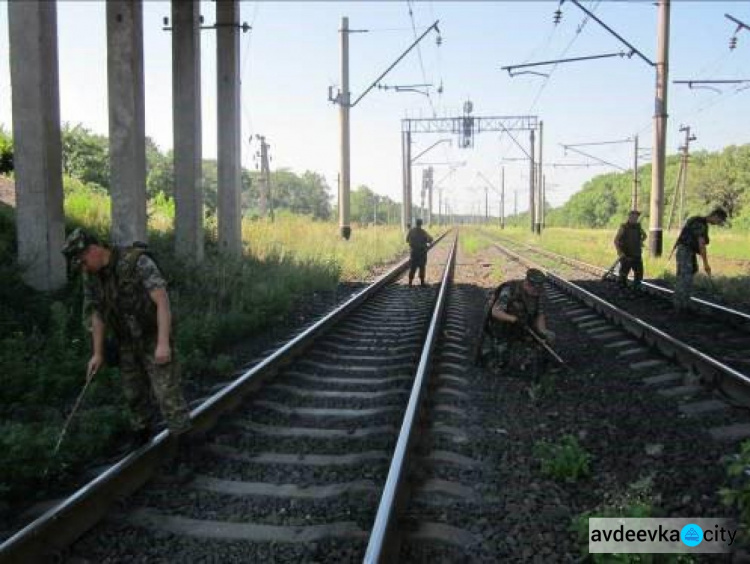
737 493
635 502
471 243
6 152
565 460
44 346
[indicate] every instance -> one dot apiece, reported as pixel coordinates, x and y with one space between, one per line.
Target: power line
419 56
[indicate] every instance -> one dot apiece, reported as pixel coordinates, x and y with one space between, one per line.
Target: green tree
6 152
85 155
159 171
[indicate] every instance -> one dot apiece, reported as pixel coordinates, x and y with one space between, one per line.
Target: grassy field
728 255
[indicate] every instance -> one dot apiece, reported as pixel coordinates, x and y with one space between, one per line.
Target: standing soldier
692 241
124 291
419 241
517 306
629 244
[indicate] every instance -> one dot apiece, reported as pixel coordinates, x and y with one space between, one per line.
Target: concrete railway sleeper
297 469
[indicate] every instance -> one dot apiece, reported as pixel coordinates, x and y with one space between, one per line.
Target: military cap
720 213
77 242
535 277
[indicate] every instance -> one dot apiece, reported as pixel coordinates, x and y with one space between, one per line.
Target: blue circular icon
691 535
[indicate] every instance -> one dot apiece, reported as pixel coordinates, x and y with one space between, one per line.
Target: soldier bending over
124 291
517 305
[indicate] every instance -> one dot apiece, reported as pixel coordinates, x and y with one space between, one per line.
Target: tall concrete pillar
229 213
127 121
406 196
188 149
36 136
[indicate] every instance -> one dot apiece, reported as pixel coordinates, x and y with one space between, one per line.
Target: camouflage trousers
515 354
141 377
687 266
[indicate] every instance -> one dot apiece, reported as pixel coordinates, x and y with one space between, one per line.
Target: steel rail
60 526
711 370
740 318
383 545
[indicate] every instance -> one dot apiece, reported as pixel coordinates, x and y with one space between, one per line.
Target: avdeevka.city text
661 535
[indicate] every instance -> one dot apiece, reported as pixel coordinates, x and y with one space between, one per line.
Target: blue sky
292 55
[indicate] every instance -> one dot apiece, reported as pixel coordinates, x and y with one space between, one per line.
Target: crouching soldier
517 306
125 292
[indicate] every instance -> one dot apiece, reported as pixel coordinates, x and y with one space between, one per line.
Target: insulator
733 42
557 17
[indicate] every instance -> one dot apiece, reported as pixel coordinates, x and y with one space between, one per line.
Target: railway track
712 344
315 451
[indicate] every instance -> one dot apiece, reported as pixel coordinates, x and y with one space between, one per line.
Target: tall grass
319 242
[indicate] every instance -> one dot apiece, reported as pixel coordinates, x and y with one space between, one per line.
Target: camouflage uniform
629 241
120 294
509 343
687 262
419 240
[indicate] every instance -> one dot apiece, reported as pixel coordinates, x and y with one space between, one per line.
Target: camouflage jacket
511 298
418 240
120 294
629 239
694 228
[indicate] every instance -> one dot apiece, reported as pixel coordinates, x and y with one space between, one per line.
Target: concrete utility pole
34 73
187 130
685 159
679 188
127 121
660 131
440 207
540 195
486 204
634 195
430 182
422 213
532 174
406 170
542 211
344 226
266 197
502 198
229 209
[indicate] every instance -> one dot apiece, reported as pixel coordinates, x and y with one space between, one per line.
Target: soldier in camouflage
419 241
515 306
692 241
629 244
125 292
